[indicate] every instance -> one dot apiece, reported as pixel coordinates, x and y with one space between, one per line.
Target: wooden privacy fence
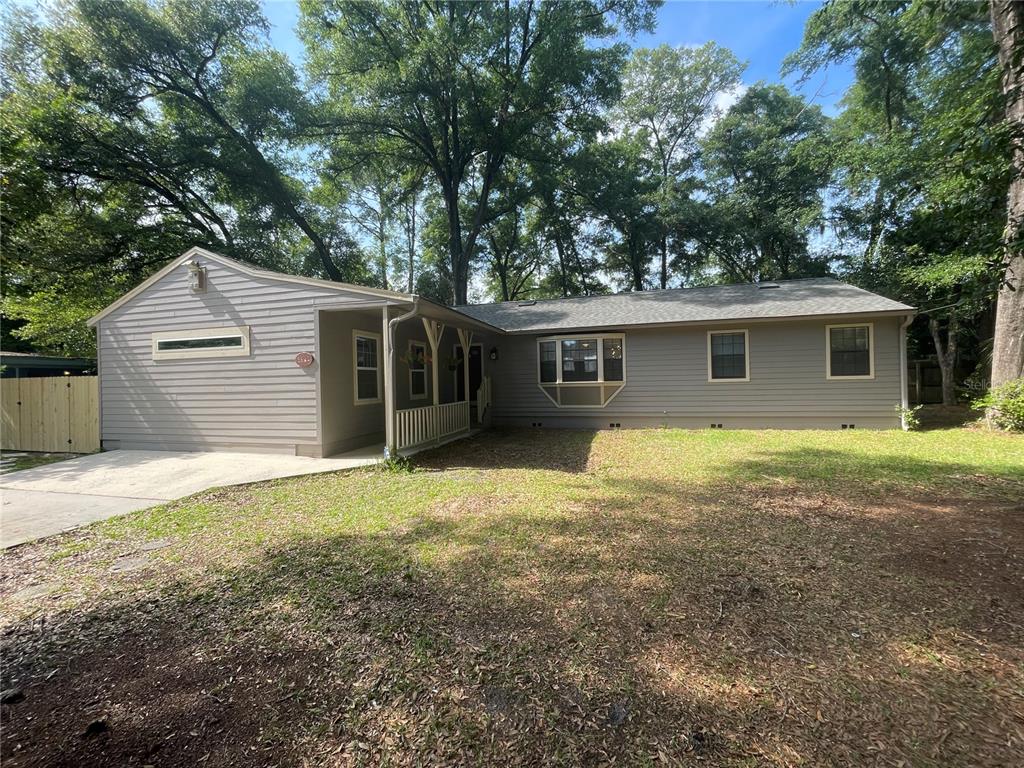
56 414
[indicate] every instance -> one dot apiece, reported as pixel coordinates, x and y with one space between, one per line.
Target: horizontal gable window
849 351
201 343
212 342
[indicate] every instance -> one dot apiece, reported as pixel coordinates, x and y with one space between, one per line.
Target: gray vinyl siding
667 381
263 402
346 425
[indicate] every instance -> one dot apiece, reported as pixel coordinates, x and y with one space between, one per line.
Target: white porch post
390 438
434 331
465 339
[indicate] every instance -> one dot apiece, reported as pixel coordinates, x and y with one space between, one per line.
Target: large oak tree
461 87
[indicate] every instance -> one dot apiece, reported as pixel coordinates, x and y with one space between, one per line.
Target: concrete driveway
46 500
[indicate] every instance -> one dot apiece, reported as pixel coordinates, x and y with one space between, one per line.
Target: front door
476 372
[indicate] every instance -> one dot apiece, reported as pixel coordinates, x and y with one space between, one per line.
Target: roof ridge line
655 290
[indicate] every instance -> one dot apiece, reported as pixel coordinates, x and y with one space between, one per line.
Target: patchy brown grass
556 598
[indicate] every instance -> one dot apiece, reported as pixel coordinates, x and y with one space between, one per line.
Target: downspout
99 384
904 395
390 439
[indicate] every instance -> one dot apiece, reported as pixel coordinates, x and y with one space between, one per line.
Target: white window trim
871 352
746 356
558 384
201 333
356 369
424 346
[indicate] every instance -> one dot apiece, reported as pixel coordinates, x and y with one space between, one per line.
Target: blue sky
760 33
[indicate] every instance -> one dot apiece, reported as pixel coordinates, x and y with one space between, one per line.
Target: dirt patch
947 416
511 449
161 698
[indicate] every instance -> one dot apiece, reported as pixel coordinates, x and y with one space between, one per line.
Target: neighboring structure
213 354
21 365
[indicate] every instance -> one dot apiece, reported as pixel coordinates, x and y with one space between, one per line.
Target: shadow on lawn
760 625
561 450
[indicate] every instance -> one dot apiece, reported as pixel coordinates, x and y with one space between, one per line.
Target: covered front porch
456 409
401 376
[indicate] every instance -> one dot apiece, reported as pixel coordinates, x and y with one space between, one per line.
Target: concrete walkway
45 500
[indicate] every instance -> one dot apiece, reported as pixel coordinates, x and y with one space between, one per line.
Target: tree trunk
411 237
460 280
382 238
636 264
501 264
664 262
563 267
946 355
1008 344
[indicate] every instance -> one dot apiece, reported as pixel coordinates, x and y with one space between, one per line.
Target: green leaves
461 88
768 161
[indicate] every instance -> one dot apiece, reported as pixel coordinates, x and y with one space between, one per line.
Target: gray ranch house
213 354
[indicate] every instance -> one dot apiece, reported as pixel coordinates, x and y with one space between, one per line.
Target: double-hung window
849 351
417 370
366 367
581 371
579 359
728 358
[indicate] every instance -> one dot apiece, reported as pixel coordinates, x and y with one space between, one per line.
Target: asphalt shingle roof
792 298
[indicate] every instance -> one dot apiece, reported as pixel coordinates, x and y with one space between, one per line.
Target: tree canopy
507 150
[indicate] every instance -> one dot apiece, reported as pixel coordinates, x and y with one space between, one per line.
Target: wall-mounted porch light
196 277
493 353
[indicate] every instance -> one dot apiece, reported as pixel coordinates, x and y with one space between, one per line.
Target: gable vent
763 286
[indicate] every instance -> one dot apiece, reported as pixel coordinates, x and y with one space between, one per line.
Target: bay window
581 372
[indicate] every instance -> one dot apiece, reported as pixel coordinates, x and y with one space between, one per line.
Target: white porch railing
431 423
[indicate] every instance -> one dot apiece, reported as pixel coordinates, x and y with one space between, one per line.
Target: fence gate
55 414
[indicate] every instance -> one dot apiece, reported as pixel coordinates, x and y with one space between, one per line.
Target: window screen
850 351
417 370
579 360
366 352
548 361
613 359
728 356
366 368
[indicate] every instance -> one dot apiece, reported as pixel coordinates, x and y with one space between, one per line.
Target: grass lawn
649 597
